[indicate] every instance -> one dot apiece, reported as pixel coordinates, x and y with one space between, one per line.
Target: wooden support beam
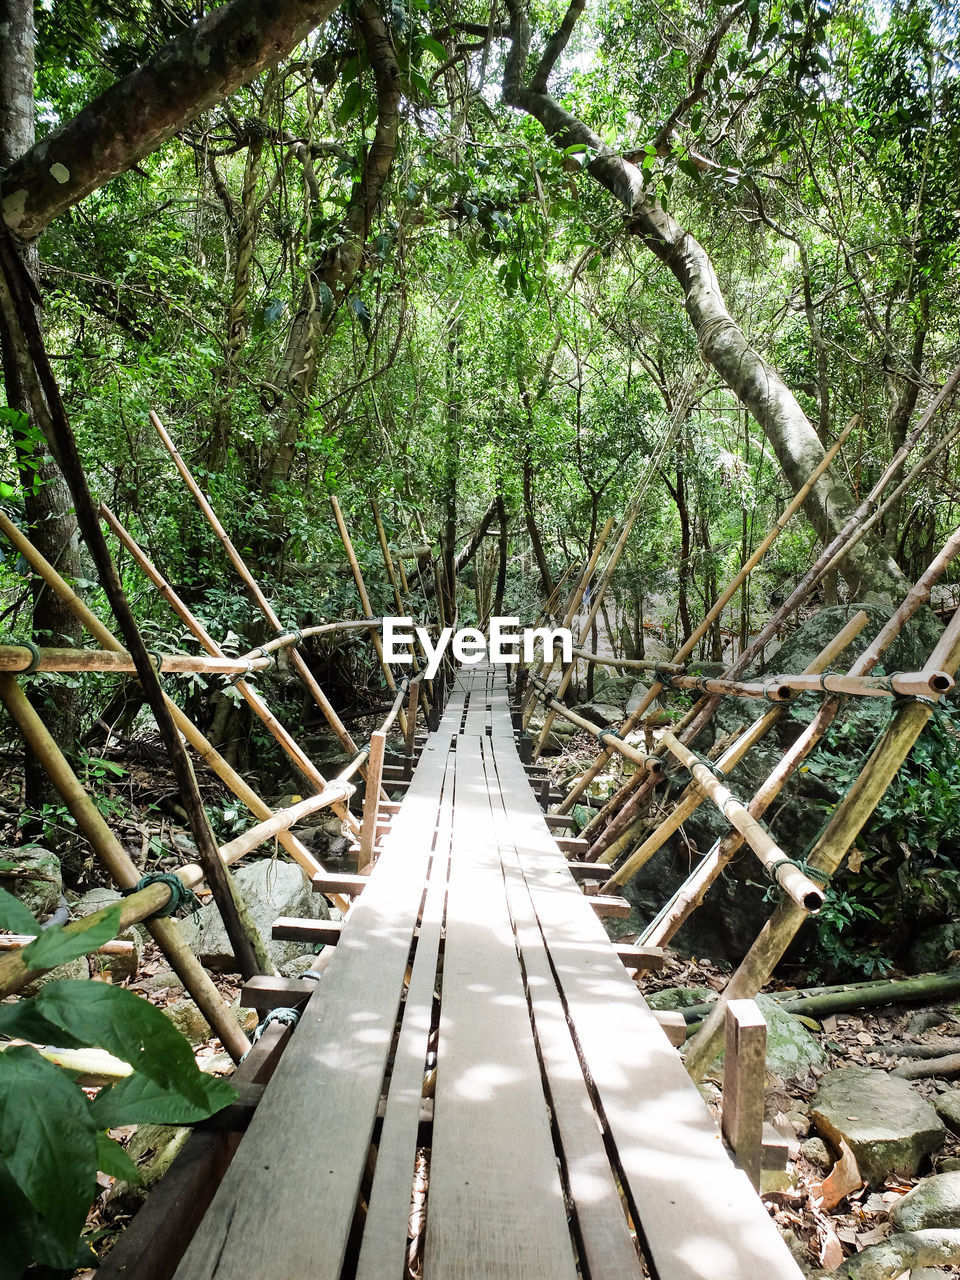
572 844
368 830
610 906
637 957
336 882
673 1025
744 1074
589 871
264 993
565 821
297 929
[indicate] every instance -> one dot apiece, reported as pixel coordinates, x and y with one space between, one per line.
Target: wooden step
566 820
264 993
572 844
605 905
635 957
339 882
590 870
296 929
673 1024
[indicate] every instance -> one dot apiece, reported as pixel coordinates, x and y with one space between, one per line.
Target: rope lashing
804 867
294 634
608 733
312 975
35 655
181 895
664 677
286 1016
156 657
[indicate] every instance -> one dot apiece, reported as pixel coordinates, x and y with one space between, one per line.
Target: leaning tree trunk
47 502
722 342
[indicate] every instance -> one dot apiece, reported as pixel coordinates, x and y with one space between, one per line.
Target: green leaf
325 295
56 946
113 1160
351 100
48 1140
15 916
120 1022
139 1100
432 45
25 1021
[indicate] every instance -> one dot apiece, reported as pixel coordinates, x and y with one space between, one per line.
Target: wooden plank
610 905
589 870
311 1134
385 1228
563 820
265 993
744 1076
572 844
339 882
301 929
678 1175
371 796
673 1025
493 1171
601 1223
634 957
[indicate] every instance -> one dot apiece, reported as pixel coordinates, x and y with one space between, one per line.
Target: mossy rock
35 879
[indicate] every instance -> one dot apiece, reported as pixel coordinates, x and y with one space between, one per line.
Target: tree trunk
47 502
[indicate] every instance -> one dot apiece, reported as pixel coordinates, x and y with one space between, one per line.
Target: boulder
613 689
791 1049
270 889
123 967
817 1152
188 1020
932 948
73 970
601 714
888 1127
680 997
637 695
35 878
934 1202
947 1107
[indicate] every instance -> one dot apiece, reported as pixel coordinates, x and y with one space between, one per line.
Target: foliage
53 1137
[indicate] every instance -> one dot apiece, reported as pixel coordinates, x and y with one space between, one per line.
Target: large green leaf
55 946
138 1100
25 1021
112 1159
15 916
48 1139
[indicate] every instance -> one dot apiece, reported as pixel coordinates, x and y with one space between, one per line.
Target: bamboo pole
371 799
415 686
295 635
282 820
254 700
650 764
394 583
264 605
831 847
690 894
362 593
118 862
791 509
692 798
904 684
574 601
184 724
807 895
18 659
596 601
135 908
628 664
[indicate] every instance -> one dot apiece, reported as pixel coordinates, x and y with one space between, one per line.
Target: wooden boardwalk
561 1116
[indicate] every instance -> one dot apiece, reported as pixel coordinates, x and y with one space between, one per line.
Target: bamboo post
118 862
807 895
371 799
281 820
394 582
135 908
831 848
362 593
692 798
18 659
744 1081
792 507
266 608
574 601
250 695
905 684
596 601
194 737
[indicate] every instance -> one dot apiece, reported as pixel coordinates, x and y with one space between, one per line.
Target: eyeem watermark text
470 646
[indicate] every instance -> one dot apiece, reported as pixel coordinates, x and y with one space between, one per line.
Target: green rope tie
812 873
156 657
609 733
181 895
292 633
664 677
35 655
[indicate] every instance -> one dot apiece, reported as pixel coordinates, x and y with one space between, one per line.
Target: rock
71 971
950 1165
680 997
934 1202
119 967
791 1049
613 689
601 713
153 1149
297 966
817 1152
888 1127
932 947
270 889
165 980
188 1020
947 1107
637 695
35 878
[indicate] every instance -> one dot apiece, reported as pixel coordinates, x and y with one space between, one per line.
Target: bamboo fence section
831 847
627 664
264 605
714 612
904 684
120 866
692 798
808 896
227 774
254 700
574 601
645 762
596 601
392 578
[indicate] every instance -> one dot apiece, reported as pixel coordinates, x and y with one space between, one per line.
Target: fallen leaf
843 1178
831 1251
